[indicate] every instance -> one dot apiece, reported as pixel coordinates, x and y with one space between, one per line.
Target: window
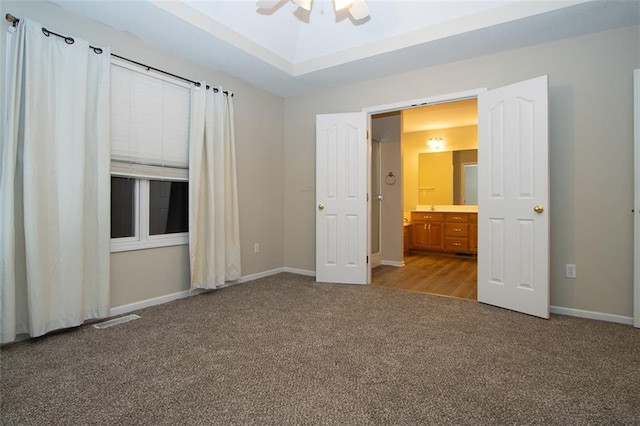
149 159
123 207
148 213
168 207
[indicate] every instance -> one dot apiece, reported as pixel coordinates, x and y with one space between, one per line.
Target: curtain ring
390 179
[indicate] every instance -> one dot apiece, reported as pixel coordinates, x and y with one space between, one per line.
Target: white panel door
341 198
513 197
636 208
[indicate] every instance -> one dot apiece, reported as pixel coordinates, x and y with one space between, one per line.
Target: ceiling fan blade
305 4
359 9
267 4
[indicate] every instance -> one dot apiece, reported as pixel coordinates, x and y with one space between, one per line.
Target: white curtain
54 185
214 237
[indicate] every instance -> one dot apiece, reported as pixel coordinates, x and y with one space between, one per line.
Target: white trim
257 275
458 96
124 309
600 316
305 272
636 209
398 264
165 240
135 306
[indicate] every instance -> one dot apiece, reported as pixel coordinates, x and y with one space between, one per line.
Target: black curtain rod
69 40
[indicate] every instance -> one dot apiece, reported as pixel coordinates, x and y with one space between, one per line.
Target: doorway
513 196
436 155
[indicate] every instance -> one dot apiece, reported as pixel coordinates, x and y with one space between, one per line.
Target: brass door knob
320 206
538 209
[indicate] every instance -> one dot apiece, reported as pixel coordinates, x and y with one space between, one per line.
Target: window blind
149 124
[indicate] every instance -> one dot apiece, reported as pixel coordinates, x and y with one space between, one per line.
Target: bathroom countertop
446 209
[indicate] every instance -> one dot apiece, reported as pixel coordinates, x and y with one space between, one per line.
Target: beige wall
591 170
259 125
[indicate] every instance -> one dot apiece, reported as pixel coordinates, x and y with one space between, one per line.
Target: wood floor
431 273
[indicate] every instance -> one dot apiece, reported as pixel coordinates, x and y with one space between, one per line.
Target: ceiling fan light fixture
359 10
267 4
305 4
341 4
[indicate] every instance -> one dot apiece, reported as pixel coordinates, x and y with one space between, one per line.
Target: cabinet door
420 235
435 236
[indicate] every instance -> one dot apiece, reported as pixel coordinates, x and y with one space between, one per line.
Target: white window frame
141 239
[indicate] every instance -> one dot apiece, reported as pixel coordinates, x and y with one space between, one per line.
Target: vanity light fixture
358 9
435 143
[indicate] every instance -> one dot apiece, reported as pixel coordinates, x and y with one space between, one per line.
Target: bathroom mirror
448 177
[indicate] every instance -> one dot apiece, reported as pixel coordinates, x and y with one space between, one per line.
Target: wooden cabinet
473 233
456 232
428 230
449 232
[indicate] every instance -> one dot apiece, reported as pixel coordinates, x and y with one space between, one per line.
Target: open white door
341 198
636 204
513 197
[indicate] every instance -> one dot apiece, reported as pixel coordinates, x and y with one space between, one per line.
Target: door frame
398 106
636 205
375 259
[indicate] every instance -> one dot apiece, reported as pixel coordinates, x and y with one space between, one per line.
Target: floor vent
116 321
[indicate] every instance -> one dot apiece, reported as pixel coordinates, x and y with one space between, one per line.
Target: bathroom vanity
445 231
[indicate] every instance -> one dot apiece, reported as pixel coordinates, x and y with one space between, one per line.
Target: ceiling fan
358 9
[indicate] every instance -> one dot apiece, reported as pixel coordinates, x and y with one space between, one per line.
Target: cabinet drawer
460 245
422 216
456 217
456 229
473 218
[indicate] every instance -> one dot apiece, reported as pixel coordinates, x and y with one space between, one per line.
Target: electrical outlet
256 248
571 270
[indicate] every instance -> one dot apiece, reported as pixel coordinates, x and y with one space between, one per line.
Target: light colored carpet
285 350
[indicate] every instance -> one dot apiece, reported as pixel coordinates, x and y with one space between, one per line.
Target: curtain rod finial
11 19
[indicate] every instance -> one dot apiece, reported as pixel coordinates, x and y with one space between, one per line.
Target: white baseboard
306 272
395 263
125 309
591 315
257 275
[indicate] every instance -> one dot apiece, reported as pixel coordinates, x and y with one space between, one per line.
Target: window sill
152 242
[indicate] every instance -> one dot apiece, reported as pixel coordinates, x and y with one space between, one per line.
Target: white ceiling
289 53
